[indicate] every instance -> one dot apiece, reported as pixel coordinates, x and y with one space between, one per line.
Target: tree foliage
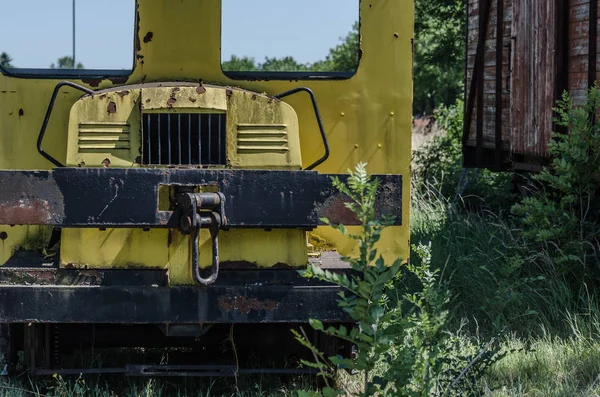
439 53
5 60
341 58
65 62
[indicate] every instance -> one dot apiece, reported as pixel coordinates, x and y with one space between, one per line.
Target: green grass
256 386
547 366
496 286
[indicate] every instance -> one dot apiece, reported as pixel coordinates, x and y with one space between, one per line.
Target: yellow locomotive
175 199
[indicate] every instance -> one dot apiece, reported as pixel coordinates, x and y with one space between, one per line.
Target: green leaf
316 324
329 392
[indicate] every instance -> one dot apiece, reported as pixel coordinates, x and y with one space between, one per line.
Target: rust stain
25 212
171 101
254 96
334 209
106 162
229 92
123 93
200 90
28 276
192 99
244 305
118 79
3 236
51 276
138 45
41 275
148 37
21 113
246 265
112 107
92 82
103 96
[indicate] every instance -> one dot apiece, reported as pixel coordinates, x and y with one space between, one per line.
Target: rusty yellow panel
186 99
27 238
23 104
366 118
262 133
170 249
101 129
104 130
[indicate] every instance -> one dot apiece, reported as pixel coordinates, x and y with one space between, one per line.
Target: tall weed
401 328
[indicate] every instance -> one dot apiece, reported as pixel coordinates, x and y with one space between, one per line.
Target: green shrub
561 219
404 347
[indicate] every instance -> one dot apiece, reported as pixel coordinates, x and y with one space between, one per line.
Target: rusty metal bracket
194 207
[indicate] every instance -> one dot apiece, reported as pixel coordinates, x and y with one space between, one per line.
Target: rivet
396 35
379 146
392 114
356 146
342 114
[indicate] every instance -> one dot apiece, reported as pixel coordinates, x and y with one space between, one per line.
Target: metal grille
184 139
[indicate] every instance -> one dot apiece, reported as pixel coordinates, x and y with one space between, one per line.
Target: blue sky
36 32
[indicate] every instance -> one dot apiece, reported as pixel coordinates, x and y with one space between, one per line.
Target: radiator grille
184 139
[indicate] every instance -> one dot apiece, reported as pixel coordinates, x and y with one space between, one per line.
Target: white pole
73 34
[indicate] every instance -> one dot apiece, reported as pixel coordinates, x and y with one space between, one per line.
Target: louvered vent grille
184 139
100 137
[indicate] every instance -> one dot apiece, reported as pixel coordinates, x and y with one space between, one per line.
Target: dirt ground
424 129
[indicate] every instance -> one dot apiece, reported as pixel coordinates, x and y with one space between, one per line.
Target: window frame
79 74
281 76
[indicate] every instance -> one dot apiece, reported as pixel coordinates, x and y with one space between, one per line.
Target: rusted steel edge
499 82
470 104
593 35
